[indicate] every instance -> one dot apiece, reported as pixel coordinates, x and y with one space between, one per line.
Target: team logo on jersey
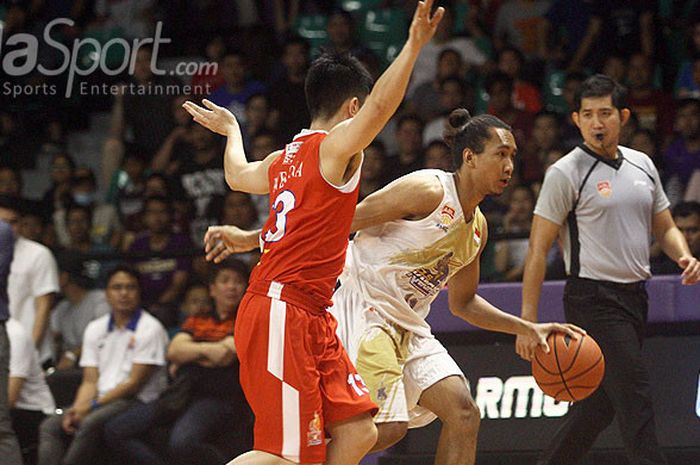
447 215
314 436
604 189
289 151
429 280
477 237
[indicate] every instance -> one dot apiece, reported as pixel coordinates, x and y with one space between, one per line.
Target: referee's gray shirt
605 208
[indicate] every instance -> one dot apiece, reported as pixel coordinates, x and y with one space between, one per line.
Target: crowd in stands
161 179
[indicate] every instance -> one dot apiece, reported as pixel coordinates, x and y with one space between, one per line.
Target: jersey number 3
283 204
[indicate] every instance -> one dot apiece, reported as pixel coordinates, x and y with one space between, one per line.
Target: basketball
573 368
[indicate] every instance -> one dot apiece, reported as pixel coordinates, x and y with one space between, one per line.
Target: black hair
467 132
124 268
600 85
295 39
159 198
66 156
447 51
332 79
575 76
499 78
232 264
684 209
686 102
518 54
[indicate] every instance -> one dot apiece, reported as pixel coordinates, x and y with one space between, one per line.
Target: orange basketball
573 368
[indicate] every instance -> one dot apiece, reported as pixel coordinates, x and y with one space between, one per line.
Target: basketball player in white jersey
417 234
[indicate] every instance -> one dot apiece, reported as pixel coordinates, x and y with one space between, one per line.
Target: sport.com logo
22 59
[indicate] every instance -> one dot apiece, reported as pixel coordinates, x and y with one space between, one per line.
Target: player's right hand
215 118
424 25
220 242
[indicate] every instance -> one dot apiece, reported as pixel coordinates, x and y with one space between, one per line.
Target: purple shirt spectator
157 273
680 162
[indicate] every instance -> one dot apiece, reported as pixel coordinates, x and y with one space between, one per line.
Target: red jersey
306 235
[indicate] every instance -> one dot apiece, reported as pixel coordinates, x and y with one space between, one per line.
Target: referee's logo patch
604 189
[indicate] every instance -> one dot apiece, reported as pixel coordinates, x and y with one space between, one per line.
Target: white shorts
396 365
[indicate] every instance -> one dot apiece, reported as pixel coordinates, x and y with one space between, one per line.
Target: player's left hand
215 118
220 242
691 269
541 331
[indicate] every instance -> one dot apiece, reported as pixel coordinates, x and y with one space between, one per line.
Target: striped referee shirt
605 208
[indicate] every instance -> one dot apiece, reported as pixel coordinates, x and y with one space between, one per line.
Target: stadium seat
384 32
552 91
313 29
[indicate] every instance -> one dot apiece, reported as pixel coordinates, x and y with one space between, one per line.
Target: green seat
313 29
384 32
460 15
356 6
115 53
553 91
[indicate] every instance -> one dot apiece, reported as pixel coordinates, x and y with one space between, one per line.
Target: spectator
80 305
510 253
626 27
373 176
653 107
62 167
575 30
35 224
526 97
615 66
570 134
520 24
426 98
202 177
105 226
142 109
123 361
263 144
10 181
682 157
259 117
453 94
236 91
176 146
32 283
235 208
341 34
28 395
499 86
204 79
204 357
287 94
9 447
79 225
438 156
444 38
545 137
686 82
686 215
163 278
690 88
126 190
409 145
197 300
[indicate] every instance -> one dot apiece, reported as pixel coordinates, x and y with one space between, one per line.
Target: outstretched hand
424 25
525 345
220 242
691 269
215 118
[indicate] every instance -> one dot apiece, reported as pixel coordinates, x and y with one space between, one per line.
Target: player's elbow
233 181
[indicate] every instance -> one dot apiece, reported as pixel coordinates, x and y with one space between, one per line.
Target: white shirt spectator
113 351
24 363
33 273
70 320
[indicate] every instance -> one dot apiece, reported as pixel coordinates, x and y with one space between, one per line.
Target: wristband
94 404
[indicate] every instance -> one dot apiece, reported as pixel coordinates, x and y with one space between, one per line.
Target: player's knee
390 433
464 415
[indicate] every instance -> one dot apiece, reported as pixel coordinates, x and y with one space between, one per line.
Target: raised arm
354 134
391 202
241 175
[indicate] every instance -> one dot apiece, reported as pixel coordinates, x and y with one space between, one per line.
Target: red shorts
295 374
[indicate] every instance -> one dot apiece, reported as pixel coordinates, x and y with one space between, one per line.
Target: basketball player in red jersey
295 374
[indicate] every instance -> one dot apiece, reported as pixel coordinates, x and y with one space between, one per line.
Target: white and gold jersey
399 267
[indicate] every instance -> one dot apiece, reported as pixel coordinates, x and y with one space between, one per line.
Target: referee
604 202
